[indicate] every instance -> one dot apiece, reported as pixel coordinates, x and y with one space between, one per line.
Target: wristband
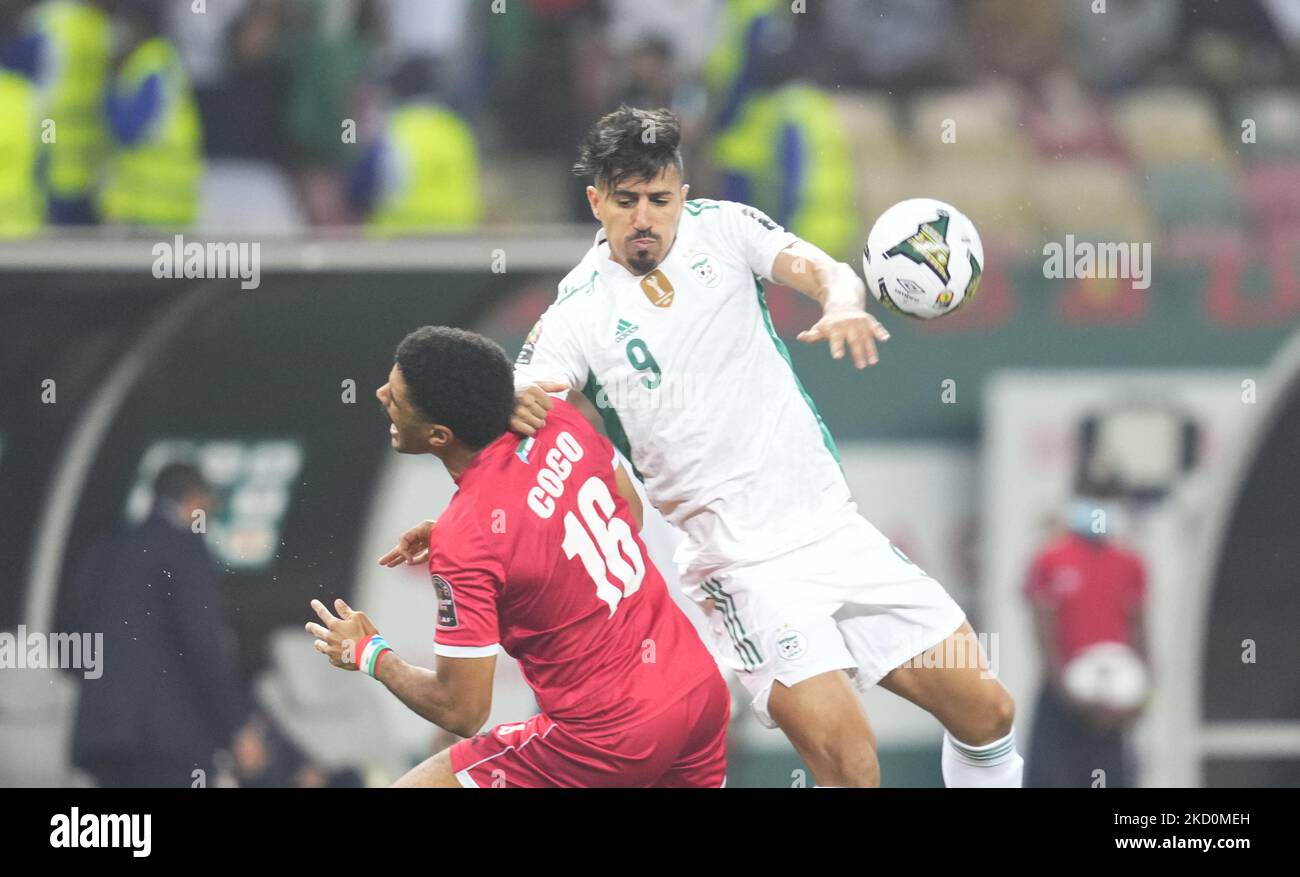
370 651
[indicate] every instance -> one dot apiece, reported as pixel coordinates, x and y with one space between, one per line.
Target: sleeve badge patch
446 602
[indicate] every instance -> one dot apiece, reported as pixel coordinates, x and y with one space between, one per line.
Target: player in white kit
663 324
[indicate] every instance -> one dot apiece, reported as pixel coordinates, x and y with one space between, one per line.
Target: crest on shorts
792 645
446 602
656 287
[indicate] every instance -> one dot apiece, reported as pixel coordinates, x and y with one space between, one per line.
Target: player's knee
995 719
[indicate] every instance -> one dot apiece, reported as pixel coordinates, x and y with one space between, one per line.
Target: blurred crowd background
387 153
409 116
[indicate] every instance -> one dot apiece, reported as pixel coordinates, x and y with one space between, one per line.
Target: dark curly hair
459 379
630 144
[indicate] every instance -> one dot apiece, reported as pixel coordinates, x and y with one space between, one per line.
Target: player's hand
412 548
338 639
532 403
849 327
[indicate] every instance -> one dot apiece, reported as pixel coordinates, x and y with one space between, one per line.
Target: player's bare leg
433 773
972 704
825 721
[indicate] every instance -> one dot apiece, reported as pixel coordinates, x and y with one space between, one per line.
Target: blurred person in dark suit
169 696
270 759
240 74
1088 596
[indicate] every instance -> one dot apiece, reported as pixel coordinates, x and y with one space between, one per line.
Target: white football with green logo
923 258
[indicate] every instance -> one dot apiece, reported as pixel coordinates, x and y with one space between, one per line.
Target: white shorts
850 601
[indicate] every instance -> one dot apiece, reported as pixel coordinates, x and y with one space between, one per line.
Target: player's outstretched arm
458 697
842 295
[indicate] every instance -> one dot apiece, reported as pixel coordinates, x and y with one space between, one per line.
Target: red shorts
685 746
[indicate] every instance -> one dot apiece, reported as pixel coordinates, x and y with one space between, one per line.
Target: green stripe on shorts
746 649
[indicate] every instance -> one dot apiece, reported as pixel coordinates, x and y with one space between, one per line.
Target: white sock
995 765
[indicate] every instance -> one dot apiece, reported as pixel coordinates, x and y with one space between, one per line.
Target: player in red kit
538 554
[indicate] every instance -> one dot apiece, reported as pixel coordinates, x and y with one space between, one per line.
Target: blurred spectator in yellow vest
787 154
734 66
156 169
779 144
22 206
422 175
64 48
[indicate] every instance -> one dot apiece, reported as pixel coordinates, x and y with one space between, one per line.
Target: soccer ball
1109 675
923 258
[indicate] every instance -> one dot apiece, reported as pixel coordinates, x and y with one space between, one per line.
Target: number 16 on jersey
604 544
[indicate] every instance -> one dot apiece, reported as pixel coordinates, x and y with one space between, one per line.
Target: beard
642 261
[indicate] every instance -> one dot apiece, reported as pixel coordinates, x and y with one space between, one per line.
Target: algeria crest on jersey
702 265
656 287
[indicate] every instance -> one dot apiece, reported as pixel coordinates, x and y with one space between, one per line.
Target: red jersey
1093 586
538 553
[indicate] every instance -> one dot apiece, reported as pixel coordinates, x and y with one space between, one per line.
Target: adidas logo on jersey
625 330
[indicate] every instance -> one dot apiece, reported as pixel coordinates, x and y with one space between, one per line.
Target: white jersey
697 389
